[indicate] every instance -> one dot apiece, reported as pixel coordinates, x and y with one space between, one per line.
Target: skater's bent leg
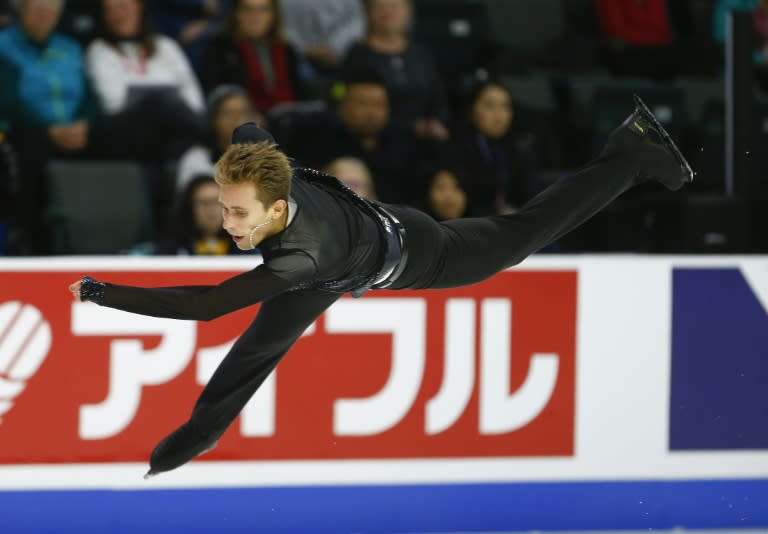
279 323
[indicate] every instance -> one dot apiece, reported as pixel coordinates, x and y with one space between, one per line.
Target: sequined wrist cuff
92 290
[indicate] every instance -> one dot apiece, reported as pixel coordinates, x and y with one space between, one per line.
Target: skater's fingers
75 289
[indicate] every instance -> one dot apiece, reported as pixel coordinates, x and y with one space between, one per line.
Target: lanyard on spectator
136 67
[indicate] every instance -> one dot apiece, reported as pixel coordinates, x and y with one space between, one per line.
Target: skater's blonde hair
262 164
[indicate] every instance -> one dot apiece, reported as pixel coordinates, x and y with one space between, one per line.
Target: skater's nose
225 222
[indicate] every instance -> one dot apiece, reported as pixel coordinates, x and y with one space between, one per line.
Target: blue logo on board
719 391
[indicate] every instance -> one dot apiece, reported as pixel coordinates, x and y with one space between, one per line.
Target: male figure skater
319 240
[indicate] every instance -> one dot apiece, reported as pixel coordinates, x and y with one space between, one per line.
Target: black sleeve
201 303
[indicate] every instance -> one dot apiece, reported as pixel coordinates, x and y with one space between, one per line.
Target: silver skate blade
150 474
648 115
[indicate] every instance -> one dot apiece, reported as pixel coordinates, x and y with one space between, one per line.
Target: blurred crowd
458 107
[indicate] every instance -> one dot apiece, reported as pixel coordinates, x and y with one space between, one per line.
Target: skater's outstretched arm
201 303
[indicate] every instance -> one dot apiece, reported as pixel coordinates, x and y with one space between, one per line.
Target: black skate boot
179 447
642 136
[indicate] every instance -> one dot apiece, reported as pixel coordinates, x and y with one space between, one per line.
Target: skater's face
122 17
365 109
446 197
246 218
255 18
492 112
40 17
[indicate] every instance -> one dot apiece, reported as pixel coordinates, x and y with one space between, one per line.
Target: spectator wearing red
250 51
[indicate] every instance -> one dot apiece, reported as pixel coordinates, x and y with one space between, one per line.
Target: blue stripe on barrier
385 509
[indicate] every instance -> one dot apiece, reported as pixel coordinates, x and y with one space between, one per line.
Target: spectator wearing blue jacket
46 97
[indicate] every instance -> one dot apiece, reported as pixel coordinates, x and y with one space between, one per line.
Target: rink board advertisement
613 392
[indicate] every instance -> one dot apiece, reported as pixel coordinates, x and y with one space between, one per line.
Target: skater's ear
278 208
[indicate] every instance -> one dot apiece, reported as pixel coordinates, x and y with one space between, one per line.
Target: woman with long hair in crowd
145 84
497 169
250 51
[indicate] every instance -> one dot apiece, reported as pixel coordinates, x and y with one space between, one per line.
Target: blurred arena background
615 382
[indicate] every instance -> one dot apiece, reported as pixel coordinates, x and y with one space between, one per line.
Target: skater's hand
75 289
88 289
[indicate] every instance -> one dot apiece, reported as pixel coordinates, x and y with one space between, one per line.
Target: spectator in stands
145 83
359 128
496 174
323 30
228 107
49 105
637 38
416 92
446 199
353 173
250 51
190 22
197 226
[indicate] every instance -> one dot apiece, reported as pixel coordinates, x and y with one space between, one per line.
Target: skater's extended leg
464 251
279 323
